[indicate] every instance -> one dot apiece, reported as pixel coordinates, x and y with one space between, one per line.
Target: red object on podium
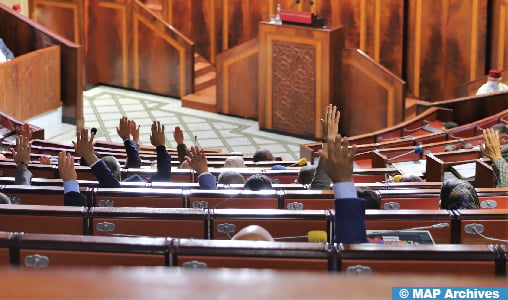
301 18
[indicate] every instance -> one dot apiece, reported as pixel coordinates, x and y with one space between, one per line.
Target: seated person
231 177
458 194
372 199
492 149
349 220
234 162
253 233
5 53
106 177
306 174
262 155
258 182
493 84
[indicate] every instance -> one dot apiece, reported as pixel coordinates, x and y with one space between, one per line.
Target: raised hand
124 128
84 146
197 160
492 147
45 160
338 161
332 117
26 131
178 135
21 153
158 138
66 166
134 131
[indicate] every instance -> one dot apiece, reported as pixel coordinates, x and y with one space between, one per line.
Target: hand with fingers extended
84 146
134 131
492 147
178 135
158 137
45 160
197 159
338 162
124 129
21 153
332 117
66 166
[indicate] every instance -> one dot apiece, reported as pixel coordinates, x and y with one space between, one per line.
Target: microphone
313 236
93 131
301 162
478 229
433 226
418 150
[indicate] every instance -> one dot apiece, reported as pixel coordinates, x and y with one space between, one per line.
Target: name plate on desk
301 18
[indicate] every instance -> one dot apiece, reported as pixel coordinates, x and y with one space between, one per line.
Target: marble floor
103 106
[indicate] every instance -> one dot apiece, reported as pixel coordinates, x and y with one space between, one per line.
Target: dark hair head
306 174
503 129
458 194
113 165
258 182
372 199
411 178
4 199
231 177
262 155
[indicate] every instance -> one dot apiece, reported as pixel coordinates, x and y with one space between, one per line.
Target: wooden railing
45 79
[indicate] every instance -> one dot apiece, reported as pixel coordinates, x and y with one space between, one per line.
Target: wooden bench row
224 223
47 251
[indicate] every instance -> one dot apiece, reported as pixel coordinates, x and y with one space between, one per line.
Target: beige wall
24 5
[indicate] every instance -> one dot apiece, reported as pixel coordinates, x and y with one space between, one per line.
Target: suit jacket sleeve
133 159
74 199
500 168
104 175
181 149
207 181
23 177
349 222
163 166
321 181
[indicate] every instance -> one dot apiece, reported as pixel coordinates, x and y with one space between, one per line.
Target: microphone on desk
313 236
478 229
301 162
417 149
93 131
433 226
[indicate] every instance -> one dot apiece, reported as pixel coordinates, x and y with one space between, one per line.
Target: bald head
253 233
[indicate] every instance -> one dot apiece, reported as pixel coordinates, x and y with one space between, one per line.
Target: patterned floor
103 106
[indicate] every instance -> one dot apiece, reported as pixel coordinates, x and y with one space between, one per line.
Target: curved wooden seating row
224 223
49 251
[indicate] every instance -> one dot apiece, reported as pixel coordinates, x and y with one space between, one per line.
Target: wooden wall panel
445 46
499 30
237 80
51 13
23 35
373 97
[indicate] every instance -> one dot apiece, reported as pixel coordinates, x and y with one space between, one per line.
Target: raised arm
84 148
198 161
72 196
181 148
492 149
349 222
124 131
158 139
21 155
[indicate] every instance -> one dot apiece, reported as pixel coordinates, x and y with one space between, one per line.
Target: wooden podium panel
299 74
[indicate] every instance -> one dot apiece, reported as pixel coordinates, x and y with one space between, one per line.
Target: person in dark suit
109 175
